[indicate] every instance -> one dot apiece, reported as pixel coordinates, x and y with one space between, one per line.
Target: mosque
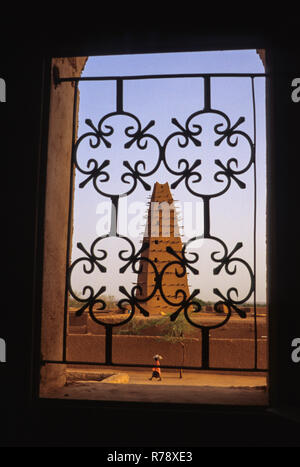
161 231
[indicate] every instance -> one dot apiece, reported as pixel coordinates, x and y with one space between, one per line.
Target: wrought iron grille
227 134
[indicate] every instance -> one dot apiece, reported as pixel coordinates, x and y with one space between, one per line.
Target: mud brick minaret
161 231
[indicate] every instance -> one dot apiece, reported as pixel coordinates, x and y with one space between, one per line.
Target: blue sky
161 100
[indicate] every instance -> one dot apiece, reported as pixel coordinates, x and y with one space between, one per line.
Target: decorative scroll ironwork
136 136
189 172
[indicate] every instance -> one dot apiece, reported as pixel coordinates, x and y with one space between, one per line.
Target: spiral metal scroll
99 137
187 135
91 260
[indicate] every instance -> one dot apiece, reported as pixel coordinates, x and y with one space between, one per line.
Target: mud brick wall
227 353
240 329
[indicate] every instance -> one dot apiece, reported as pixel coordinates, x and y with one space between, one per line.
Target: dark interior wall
25 68
284 146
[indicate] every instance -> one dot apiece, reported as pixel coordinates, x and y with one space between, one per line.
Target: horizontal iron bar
181 75
140 365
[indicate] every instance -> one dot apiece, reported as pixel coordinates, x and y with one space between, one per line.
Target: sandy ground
197 379
193 388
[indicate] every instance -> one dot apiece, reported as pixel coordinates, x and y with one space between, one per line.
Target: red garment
156 368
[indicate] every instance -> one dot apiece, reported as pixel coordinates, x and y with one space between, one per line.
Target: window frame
278 396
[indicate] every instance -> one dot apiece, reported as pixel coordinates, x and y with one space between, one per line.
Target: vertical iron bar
108 344
205 348
207 102
114 215
206 215
119 95
254 220
70 219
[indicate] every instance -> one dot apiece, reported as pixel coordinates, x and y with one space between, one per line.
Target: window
197 133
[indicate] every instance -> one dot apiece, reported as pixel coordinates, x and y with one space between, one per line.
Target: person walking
156 373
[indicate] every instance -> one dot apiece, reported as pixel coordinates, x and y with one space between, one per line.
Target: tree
175 332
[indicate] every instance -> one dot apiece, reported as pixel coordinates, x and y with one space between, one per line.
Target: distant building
161 231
